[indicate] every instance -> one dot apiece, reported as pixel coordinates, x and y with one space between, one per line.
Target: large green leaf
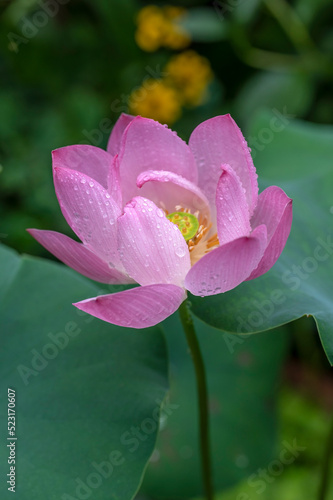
88 394
298 157
242 380
267 89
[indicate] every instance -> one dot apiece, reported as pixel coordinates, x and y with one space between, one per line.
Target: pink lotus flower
169 216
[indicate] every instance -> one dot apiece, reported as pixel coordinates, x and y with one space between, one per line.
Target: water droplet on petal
180 251
160 213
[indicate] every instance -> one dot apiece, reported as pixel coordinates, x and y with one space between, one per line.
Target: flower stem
291 24
325 471
200 374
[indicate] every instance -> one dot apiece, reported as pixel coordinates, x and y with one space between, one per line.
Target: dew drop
160 213
91 184
83 181
180 251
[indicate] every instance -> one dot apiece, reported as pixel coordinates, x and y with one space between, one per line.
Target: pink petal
89 160
78 257
152 248
217 141
136 308
233 218
117 133
90 211
274 209
114 187
168 190
226 267
148 145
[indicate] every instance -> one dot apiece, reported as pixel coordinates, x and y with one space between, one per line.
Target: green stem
325 472
291 24
199 368
310 63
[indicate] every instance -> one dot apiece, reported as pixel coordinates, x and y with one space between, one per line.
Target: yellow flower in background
190 74
160 27
187 77
156 99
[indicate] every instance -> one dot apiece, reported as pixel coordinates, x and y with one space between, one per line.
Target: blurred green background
69 68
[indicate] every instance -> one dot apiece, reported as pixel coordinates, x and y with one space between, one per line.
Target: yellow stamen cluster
160 27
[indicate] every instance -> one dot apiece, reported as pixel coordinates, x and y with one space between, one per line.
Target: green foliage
306 422
242 380
84 388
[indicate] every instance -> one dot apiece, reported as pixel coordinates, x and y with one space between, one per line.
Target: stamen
213 243
195 229
187 223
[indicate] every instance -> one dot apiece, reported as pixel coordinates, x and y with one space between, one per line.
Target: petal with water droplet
165 266
89 160
229 264
233 218
147 145
172 189
117 133
89 220
274 209
136 308
219 140
79 257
